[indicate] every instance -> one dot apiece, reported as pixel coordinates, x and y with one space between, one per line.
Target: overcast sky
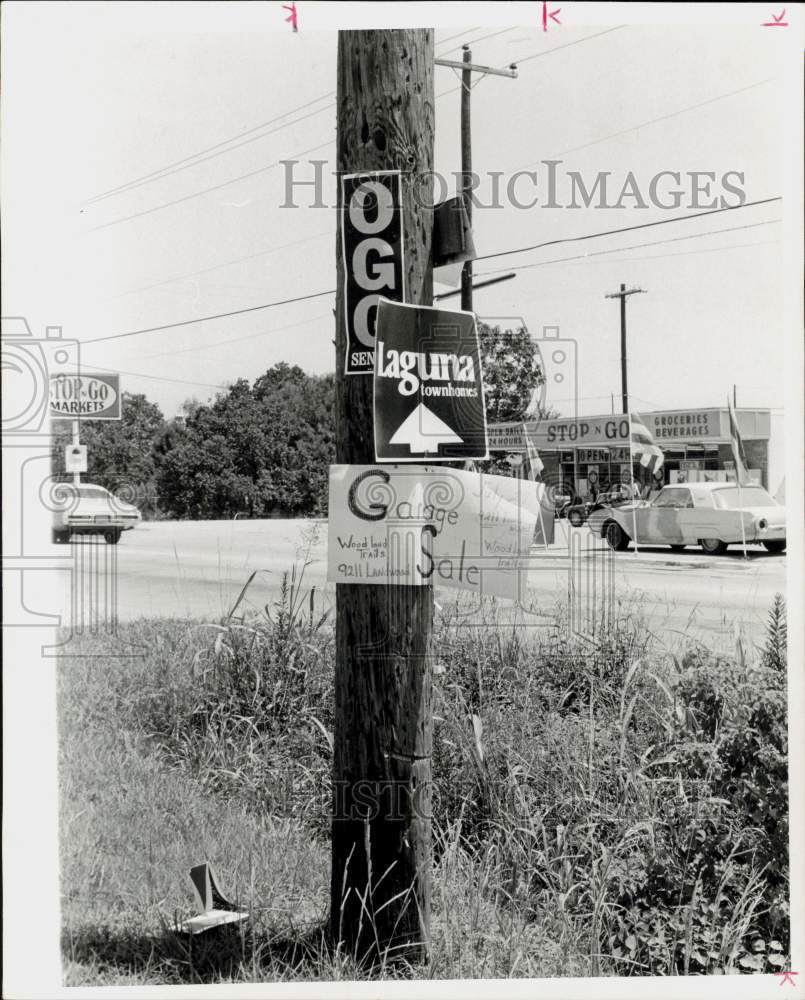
87 109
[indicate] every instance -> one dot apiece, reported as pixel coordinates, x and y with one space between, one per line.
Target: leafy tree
513 372
513 380
262 449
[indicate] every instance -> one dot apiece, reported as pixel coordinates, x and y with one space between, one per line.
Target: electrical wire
635 246
662 118
628 229
227 263
217 148
203 319
475 41
567 239
683 253
229 149
159 378
197 348
567 45
465 31
545 52
156 174
209 190
185 164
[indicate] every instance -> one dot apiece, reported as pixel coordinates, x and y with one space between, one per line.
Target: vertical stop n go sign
372 245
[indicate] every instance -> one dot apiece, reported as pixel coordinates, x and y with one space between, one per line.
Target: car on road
593 510
86 509
561 498
704 514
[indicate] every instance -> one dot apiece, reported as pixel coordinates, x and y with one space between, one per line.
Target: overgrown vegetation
601 807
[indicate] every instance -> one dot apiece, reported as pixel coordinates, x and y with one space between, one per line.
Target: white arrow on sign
423 431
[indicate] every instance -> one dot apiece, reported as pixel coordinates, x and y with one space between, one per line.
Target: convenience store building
593 451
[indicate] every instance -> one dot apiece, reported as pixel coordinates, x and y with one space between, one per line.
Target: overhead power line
628 229
444 41
221 152
475 41
662 118
183 164
544 52
209 190
226 145
204 319
197 348
226 263
169 168
567 45
158 378
681 253
500 253
636 246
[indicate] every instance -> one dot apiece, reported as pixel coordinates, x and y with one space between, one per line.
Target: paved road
198 569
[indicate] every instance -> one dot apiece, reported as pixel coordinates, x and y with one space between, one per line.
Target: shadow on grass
221 954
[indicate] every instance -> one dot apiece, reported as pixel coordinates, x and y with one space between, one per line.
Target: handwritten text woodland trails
430 525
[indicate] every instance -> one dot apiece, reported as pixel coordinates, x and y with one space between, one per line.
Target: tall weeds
603 807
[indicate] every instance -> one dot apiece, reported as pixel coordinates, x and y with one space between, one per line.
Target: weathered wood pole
381 832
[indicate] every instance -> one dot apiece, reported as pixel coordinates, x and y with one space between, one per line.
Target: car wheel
616 538
713 546
575 519
775 545
112 537
677 548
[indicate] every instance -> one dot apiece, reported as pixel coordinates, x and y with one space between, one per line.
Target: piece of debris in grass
216 909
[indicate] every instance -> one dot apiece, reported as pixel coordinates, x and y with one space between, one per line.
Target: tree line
261 449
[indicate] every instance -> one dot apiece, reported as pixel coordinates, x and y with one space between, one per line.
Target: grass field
604 807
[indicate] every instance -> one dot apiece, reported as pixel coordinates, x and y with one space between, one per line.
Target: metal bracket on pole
510 71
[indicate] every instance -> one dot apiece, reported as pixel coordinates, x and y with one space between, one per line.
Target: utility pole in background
467 68
466 167
622 295
76 443
381 829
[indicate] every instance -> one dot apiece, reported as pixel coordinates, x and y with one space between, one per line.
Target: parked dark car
592 510
563 500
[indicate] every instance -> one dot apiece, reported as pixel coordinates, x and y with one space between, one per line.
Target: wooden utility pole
468 67
622 295
381 831
466 167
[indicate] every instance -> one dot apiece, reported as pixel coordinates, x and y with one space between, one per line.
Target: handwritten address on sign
392 525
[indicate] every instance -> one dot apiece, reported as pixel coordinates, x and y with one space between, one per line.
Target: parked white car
92 510
705 514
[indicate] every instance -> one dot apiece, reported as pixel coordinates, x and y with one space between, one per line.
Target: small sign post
90 397
75 458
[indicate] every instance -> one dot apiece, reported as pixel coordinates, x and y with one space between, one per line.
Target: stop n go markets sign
96 397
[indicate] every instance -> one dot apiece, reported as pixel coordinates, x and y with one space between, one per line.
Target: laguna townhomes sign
428 387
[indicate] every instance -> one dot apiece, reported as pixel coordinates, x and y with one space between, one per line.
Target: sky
122 100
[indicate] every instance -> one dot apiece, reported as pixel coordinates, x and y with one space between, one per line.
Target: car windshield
92 493
732 498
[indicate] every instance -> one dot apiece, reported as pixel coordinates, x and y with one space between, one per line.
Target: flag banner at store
738 453
535 464
643 445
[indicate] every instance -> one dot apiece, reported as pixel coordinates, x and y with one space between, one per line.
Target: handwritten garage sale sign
394 525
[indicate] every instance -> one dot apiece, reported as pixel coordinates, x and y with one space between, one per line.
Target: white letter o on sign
357 205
